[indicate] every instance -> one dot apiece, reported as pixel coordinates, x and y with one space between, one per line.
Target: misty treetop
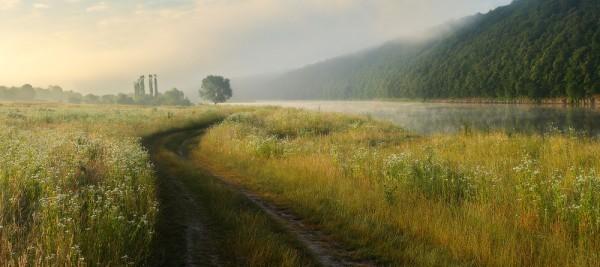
174 97
29 93
530 48
216 89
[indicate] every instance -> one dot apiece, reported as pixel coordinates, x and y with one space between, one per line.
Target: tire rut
323 249
196 243
327 252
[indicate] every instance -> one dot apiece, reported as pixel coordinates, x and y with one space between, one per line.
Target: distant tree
74 99
215 89
3 92
124 99
26 92
144 100
91 99
55 93
174 97
108 99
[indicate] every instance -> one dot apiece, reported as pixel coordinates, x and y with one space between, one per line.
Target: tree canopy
215 89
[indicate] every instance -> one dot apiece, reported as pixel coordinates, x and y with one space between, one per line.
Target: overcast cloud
102 46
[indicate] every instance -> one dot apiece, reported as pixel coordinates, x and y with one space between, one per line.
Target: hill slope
531 48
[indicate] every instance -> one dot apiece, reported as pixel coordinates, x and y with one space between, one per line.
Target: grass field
76 186
491 199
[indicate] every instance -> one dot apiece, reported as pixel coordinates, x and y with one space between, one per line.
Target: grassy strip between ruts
490 199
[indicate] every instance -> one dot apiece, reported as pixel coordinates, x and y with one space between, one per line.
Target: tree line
27 92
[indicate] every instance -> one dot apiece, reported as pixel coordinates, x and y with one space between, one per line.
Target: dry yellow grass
491 199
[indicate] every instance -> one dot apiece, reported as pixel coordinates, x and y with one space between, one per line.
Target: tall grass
76 186
491 199
69 199
238 232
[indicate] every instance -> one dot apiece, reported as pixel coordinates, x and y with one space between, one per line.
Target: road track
197 244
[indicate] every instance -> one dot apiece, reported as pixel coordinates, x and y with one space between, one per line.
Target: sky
103 46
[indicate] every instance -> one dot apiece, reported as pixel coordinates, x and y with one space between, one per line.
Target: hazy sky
102 46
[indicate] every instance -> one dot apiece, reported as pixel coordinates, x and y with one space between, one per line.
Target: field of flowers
76 186
495 199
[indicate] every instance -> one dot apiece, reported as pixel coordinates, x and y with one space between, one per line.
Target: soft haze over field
102 46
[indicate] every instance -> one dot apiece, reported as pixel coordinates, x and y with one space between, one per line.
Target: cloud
8 4
102 6
40 6
183 40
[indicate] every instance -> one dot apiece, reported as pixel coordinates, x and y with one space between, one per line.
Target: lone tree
215 89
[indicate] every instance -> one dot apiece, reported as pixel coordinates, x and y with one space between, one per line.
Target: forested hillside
531 48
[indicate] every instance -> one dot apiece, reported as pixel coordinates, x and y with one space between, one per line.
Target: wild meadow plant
498 199
72 199
432 177
76 186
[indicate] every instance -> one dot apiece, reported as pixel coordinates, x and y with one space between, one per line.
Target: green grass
491 199
76 186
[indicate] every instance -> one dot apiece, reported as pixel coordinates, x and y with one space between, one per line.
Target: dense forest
27 92
530 48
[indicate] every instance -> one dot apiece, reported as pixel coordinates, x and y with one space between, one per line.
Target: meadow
79 188
76 186
474 198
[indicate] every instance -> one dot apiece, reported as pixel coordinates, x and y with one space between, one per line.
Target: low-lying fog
428 118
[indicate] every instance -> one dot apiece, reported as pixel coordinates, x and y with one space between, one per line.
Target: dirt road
185 234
